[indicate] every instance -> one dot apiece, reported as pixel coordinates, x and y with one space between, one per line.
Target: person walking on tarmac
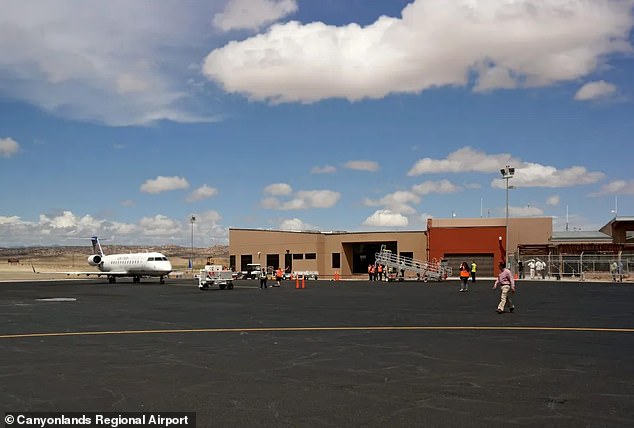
507 283
474 267
531 268
464 276
263 279
379 271
278 277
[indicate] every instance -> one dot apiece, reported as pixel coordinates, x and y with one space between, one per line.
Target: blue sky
124 119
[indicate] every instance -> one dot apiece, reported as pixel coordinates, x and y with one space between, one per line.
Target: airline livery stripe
319 329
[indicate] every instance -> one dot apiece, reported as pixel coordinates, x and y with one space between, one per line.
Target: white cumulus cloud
118 62
536 175
159 225
315 199
440 186
203 192
10 220
527 211
327 169
434 43
465 159
622 187
295 224
386 218
164 184
594 90
252 14
59 228
68 220
303 200
8 147
278 189
362 165
396 202
527 174
553 201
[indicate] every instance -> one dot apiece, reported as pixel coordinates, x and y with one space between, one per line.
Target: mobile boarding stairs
424 270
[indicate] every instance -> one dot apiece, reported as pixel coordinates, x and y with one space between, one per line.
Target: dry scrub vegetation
19 263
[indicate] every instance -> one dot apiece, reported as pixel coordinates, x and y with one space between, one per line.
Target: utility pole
191 260
507 173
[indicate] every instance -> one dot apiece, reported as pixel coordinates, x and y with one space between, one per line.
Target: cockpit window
150 259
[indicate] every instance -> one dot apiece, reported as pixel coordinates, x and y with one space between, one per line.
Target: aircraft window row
158 259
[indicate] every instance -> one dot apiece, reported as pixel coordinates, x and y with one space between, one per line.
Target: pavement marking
318 329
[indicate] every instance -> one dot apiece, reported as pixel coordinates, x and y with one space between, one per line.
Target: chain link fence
581 267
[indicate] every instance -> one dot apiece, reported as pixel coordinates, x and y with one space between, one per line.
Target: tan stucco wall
252 241
530 231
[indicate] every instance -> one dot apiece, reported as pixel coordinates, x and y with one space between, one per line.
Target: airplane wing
121 273
87 273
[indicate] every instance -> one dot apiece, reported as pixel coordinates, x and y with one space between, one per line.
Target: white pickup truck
215 275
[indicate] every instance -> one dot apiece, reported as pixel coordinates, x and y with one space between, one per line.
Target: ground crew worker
531 268
539 268
379 270
507 283
464 277
371 272
474 267
263 278
278 277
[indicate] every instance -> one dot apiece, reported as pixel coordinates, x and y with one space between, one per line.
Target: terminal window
336 260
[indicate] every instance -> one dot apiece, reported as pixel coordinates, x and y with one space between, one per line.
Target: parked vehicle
215 275
252 271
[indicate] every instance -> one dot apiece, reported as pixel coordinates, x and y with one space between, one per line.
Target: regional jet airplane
133 265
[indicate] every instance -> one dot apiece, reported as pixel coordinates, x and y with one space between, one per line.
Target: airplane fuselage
141 264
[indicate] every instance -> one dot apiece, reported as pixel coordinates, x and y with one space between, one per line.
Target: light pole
192 220
507 173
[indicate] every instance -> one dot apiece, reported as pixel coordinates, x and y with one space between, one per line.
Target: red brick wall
467 240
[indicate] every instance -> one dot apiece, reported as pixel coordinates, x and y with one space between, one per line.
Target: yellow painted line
318 329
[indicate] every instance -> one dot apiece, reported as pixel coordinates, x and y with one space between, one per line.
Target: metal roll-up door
484 262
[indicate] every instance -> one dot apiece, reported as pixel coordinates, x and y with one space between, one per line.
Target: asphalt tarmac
333 354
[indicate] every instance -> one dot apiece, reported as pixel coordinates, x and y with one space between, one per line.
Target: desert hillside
19 263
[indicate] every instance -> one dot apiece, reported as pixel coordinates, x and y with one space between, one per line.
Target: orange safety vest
464 273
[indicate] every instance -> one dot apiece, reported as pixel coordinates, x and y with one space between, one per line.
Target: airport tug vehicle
213 274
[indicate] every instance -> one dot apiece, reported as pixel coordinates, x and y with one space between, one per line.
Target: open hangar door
363 253
484 262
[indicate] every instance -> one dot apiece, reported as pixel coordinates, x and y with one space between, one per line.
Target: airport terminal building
482 240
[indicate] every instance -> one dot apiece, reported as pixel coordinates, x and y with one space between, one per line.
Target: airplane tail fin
96 246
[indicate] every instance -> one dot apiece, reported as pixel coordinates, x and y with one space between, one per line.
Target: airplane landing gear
162 280
112 279
136 279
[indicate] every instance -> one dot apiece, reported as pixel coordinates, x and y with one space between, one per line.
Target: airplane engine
94 260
